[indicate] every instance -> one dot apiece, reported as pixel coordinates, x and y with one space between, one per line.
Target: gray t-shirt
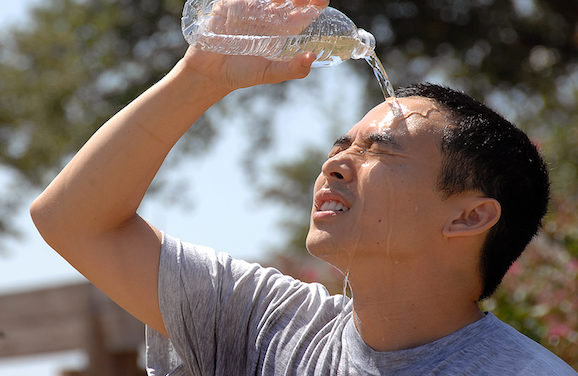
229 317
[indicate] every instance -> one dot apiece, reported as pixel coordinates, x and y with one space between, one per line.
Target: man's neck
400 313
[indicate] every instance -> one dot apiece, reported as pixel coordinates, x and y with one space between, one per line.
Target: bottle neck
366 45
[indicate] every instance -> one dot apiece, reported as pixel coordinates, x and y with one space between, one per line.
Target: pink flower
559 330
573 265
516 269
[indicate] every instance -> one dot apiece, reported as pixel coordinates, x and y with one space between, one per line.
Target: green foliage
77 63
72 66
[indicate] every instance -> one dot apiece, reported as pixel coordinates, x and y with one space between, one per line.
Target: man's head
413 167
481 151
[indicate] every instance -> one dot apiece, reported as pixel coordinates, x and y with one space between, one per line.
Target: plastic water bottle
277 31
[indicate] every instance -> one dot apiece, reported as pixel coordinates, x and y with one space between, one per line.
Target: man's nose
338 168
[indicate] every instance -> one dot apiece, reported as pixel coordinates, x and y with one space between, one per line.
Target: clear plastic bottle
277 31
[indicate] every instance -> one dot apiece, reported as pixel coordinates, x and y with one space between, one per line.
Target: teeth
333 206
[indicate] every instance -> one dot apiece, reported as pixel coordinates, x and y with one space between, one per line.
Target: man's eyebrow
343 141
384 138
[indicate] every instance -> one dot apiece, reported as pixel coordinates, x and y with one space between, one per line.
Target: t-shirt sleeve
215 309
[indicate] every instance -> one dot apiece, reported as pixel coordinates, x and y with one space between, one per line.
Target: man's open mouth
335 206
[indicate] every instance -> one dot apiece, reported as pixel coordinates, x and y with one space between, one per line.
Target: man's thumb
300 66
296 68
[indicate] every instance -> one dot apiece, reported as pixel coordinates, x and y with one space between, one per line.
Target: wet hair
482 151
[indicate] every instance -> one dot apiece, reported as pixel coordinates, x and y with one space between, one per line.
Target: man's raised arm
88 213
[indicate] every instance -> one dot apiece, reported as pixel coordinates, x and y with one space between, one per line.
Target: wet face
376 197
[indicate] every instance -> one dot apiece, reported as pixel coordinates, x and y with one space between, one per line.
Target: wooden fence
70 318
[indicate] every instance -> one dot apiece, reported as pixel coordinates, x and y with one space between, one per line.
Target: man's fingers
300 66
297 68
300 3
320 3
304 61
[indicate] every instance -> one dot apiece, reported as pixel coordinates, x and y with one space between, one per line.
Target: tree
74 65
63 75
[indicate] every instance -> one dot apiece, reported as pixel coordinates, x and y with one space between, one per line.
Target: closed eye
377 150
383 143
335 151
376 144
341 144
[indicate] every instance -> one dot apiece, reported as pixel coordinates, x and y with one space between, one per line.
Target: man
423 205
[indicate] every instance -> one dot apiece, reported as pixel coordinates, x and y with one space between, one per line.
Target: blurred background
241 180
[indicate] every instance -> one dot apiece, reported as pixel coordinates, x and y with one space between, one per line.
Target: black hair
482 151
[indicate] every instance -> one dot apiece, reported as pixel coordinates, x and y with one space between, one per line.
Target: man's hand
258 17
227 73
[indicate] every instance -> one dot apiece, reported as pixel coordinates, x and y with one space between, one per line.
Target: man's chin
315 248
322 250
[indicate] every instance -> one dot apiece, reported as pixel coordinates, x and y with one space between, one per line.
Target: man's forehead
402 115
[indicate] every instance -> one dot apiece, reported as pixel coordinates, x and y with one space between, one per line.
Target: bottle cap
367 45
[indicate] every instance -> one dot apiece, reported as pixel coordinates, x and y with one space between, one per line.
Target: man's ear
476 217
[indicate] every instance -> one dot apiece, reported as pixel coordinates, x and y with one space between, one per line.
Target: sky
225 211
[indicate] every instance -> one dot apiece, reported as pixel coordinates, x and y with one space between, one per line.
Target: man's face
376 196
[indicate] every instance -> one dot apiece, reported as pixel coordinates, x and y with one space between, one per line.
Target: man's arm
88 213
